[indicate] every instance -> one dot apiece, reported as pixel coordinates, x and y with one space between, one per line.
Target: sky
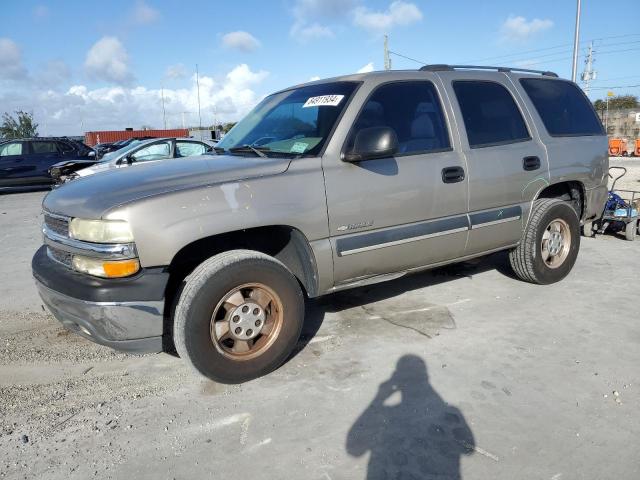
83 65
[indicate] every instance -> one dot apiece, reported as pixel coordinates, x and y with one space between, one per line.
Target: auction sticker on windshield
323 101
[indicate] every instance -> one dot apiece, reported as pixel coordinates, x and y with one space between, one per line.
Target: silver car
138 152
323 187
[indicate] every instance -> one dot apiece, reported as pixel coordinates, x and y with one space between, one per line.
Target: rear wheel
550 243
630 230
239 316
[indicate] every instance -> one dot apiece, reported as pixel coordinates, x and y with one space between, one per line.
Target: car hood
93 196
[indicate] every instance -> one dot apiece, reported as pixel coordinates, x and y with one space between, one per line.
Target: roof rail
444 67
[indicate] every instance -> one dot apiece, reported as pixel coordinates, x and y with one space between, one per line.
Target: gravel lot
462 369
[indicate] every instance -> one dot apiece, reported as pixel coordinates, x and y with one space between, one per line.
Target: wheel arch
572 191
285 243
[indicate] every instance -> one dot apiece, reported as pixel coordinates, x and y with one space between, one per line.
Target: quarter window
563 108
491 116
412 110
13 148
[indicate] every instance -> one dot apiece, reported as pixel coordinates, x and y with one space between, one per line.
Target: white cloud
311 16
399 13
519 29
11 66
304 33
366 69
314 78
108 60
41 11
176 71
242 41
116 107
143 14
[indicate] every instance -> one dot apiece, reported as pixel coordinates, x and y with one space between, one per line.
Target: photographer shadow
409 430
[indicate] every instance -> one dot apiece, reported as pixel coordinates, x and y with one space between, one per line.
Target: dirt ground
462 370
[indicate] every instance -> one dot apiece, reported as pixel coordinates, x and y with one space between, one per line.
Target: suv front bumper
125 314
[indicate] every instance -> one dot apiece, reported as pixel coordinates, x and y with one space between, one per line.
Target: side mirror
372 142
130 159
91 154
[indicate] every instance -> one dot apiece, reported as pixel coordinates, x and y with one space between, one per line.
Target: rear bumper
125 315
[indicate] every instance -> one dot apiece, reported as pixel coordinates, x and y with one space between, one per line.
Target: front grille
59 225
59 256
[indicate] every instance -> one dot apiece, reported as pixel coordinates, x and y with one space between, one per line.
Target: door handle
531 163
452 174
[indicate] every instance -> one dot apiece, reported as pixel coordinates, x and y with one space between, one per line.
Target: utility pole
387 59
606 119
589 73
576 41
199 116
164 113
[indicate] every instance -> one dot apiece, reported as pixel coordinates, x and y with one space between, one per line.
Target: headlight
100 231
106 268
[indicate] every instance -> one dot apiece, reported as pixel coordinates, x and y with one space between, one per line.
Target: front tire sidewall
193 319
545 274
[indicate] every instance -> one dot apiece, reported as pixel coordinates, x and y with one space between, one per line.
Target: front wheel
239 316
550 243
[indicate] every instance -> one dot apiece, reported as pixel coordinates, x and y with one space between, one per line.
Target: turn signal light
106 268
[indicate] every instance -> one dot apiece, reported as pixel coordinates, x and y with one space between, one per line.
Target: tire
630 230
587 230
527 258
196 328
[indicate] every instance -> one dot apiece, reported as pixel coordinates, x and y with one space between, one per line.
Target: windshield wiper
219 150
244 148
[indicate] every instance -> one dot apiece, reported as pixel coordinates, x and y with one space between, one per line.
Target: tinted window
65 147
564 109
157 151
12 148
412 110
44 147
490 114
186 149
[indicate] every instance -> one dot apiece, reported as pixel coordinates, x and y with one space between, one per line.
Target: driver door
393 214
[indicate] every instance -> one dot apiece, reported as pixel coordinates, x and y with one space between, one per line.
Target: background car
25 162
136 152
107 147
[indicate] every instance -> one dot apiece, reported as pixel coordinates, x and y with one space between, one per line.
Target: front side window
412 110
11 148
65 148
290 123
44 147
157 151
187 149
563 108
491 116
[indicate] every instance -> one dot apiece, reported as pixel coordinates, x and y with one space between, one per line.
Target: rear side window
491 116
564 109
412 110
44 147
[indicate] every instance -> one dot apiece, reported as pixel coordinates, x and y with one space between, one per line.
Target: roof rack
444 67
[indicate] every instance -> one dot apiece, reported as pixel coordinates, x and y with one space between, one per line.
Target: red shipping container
107 136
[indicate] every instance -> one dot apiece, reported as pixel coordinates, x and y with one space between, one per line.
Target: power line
408 58
616 86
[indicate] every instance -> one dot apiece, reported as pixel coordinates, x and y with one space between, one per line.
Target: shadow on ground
409 430
316 309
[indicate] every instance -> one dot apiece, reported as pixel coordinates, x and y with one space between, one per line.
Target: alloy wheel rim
246 321
556 243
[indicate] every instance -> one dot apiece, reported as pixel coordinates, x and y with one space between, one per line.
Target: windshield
117 153
293 122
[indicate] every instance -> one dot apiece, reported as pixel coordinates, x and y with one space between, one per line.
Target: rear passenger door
44 154
506 160
392 214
